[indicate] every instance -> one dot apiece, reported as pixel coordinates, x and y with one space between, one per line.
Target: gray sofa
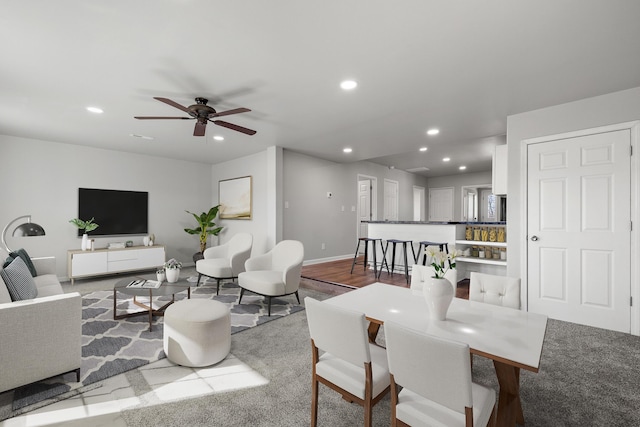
40 337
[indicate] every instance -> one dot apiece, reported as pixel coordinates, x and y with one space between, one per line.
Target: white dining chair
496 290
225 261
350 365
435 376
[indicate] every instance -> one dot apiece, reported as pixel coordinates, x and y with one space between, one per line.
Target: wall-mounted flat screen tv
116 212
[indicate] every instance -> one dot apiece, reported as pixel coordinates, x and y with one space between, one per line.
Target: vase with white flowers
172 269
438 291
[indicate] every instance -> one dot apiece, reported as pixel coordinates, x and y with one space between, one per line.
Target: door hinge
631 150
631 301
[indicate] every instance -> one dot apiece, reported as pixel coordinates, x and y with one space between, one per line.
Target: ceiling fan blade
172 103
228 112
234 127
199 129
163 118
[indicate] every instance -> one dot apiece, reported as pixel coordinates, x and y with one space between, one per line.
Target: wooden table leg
509 405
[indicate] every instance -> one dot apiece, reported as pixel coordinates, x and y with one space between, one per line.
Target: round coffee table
164 290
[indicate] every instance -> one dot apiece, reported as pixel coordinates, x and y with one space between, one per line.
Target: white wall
255 166
41 178
315 219
458 181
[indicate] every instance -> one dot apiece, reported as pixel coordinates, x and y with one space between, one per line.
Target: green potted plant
87 226
206 226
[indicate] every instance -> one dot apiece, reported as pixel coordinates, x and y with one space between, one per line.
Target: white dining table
512 339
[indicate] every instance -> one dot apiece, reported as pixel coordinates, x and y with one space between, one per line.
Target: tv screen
116 212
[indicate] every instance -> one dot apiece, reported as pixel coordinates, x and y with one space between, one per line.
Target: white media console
81 264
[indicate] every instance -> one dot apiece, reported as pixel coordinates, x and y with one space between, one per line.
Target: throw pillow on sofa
19 281
25 257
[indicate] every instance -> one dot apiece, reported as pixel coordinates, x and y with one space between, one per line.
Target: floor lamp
27 229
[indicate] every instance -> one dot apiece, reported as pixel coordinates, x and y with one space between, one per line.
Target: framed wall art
234 197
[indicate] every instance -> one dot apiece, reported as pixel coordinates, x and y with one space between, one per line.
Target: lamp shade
28 229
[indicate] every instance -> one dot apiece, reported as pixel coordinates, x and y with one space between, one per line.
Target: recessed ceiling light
462 168
433 132
218 137
347 150
95 110
349 84
423 148
135 135
446 159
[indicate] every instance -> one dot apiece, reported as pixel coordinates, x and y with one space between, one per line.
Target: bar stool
404 243
444 247
366 241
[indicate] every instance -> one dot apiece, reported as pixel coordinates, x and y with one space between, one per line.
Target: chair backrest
287 256
435 368
239 250
419 273
338 331
496 290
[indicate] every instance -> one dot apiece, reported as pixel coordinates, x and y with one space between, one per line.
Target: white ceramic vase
85 242
161 276
438 293
145 240
173 274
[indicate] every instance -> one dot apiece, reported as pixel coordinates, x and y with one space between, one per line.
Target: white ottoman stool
197 332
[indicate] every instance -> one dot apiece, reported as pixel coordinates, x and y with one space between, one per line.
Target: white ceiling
460 66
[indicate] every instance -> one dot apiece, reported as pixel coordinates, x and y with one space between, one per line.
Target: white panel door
441 204
364 205
418 203
390 200
579 216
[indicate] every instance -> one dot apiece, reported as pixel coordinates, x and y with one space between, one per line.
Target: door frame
374 199
634 128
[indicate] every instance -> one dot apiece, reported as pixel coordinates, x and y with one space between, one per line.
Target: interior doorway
367 188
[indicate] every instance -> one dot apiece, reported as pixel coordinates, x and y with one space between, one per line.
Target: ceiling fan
203 114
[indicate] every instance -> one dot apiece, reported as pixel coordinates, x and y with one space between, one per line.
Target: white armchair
274 274
497 290
225 261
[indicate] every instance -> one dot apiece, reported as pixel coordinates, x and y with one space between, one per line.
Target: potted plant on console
87 226
172 268
206 227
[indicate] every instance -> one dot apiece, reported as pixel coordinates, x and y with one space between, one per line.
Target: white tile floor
159 382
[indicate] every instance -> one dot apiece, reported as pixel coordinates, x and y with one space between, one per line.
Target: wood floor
336 278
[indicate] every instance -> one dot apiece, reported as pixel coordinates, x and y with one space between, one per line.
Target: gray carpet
111 347
588 377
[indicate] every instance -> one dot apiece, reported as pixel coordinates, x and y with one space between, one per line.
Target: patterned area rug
111 347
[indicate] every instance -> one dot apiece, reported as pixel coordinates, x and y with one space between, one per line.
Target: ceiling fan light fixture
349 84
218 137
95 110
433 131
